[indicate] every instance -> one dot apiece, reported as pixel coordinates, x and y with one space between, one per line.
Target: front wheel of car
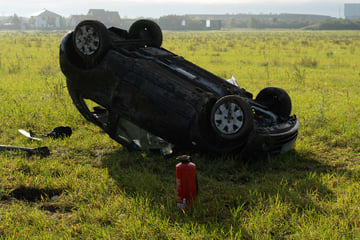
232 118
276 100
148 31
91 40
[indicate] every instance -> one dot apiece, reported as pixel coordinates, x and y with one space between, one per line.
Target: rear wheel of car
148 31
276 100
91 40
231 117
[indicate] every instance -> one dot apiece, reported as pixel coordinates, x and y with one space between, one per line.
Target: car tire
276 100
91 40
232 118
147 30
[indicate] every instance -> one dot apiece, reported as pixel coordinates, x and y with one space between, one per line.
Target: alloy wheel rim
87 40
229 118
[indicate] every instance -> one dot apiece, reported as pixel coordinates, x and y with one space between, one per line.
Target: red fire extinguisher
186 184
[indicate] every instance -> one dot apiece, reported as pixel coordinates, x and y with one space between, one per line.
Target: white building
352 10
45 20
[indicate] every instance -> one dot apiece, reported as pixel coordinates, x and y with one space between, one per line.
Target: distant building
352 10
174 22
213 24
109 18
76 19
45 20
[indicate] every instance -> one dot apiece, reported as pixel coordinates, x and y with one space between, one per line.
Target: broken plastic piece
58 132
233 81
29 134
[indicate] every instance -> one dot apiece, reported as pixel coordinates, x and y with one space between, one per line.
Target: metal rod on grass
43 151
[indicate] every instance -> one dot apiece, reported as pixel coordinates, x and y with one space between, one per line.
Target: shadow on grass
42 196
32 194
226 186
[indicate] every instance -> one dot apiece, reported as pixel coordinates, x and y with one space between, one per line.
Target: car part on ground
42 151
58 132
29 134
149 98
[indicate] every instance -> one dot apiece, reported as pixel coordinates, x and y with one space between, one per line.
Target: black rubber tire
91 41
147 30
234 125
277 100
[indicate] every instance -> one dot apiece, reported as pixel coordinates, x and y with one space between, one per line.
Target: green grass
90 187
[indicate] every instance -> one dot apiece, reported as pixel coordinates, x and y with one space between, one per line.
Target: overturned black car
149 98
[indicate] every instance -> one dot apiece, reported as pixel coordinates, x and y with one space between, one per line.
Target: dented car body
150 98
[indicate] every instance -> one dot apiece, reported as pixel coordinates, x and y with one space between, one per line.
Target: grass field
90 187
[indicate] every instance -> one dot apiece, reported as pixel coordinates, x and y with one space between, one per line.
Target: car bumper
276 139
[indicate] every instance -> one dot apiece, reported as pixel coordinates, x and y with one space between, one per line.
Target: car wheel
276 100
91 40
231 117
146 30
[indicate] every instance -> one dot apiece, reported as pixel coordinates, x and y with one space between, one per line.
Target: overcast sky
156 8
